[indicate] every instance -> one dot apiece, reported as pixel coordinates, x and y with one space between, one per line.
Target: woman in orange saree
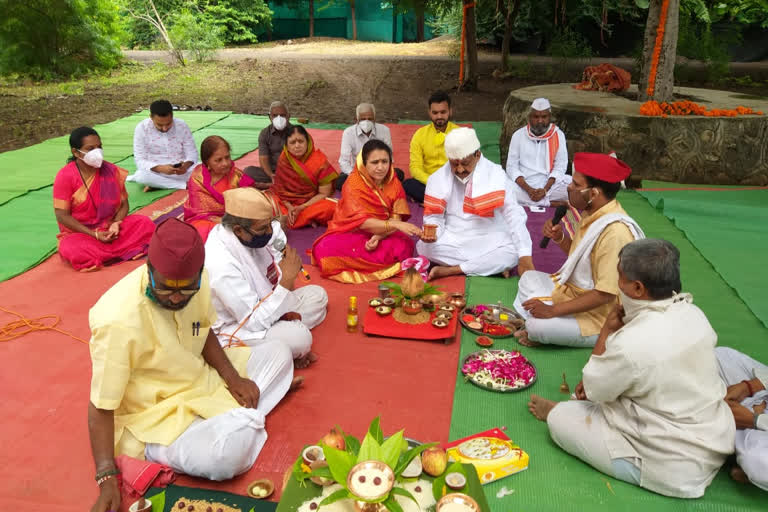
303 181
91 207
368 237
216 174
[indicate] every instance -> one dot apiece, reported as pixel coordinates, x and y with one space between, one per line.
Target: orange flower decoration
657 48
689 108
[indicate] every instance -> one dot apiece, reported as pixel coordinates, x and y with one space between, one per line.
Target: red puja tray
386 326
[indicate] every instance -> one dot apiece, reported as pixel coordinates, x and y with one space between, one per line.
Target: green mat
556 480
34 167
164 499
487 131
729 229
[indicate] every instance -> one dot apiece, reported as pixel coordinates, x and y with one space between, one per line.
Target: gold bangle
562 238
386 226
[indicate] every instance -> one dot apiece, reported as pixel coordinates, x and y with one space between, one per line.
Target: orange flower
686 108
657 48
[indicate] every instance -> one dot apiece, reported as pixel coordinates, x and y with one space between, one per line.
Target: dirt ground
322 80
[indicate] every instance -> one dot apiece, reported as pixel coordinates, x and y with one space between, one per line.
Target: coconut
413 469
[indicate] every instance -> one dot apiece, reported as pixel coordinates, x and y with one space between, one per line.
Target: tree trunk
354 19
660 86
470 44
419 26
311 18
509 21
394 21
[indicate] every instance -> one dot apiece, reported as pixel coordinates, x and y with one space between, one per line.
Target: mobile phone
177 165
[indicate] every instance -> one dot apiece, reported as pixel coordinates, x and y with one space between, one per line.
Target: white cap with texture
541 104
461 142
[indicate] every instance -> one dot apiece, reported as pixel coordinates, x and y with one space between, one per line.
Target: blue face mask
257 241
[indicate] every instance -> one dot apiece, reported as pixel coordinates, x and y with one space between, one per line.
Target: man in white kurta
650 408
354 138
538 158
747 394
253 284
480 227
163 149
162 388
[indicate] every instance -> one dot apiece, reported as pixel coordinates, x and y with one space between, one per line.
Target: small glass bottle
352 315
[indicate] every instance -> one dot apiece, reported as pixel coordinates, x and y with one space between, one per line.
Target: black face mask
257 241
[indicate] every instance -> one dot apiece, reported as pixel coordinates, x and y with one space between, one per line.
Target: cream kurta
658 386
148 365
604 260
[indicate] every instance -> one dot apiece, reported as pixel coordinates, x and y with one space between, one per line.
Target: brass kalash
416 300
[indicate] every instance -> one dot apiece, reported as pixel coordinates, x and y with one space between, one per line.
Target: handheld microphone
560 212
279 244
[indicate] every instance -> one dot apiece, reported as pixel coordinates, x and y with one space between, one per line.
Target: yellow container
492 457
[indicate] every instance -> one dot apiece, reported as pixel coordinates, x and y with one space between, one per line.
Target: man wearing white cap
480 227
252 283
538 158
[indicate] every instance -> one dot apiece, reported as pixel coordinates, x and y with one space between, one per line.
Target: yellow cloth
604 260
428 151
148 365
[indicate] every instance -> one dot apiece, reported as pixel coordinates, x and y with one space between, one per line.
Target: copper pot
412 307
458 300
362 506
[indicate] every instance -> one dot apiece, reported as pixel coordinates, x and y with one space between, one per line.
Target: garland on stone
657 48
689 108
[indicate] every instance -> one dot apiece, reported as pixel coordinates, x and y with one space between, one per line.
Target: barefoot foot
296 383
738 475
439 271
540 407
522 338
304 361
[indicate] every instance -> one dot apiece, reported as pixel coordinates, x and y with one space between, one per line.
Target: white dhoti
579 427
751 444
311 302
562 330
159 180
226 445
558 192
463 251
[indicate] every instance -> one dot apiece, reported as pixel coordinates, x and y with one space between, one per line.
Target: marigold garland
689 108
657 48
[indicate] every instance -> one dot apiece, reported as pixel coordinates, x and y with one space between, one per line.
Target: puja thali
492 320
503 371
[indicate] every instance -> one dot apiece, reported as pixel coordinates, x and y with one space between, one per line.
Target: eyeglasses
167 292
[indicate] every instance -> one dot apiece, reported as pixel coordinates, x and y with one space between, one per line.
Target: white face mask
279 122
366 125
94 157
631 306
464 180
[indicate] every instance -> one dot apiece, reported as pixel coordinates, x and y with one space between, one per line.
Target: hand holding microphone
291 258
559 214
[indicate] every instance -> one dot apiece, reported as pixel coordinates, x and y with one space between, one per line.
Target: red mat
45 380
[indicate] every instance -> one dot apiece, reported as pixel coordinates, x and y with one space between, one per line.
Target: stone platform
682 149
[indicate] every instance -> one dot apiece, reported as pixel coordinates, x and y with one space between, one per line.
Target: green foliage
53 38
196 35
743 12
240 21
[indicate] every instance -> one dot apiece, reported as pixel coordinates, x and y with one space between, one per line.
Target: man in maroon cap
571 306
163 388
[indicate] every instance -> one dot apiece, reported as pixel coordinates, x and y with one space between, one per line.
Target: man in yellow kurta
570 306
428 146
162 387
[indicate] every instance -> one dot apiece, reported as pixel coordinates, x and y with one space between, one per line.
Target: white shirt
659 388
352 141
529 159
471 235
151 147
239 281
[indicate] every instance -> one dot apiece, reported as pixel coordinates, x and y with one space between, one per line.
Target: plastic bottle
352 315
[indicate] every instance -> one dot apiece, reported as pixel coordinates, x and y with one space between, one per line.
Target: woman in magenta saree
204 207
91 206
368 238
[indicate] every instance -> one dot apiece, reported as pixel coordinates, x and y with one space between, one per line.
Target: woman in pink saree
91 206
216 174
368 238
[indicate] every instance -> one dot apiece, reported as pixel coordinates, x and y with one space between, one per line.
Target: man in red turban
163 388
571 306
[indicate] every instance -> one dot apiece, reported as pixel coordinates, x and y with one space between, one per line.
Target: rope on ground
22 326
